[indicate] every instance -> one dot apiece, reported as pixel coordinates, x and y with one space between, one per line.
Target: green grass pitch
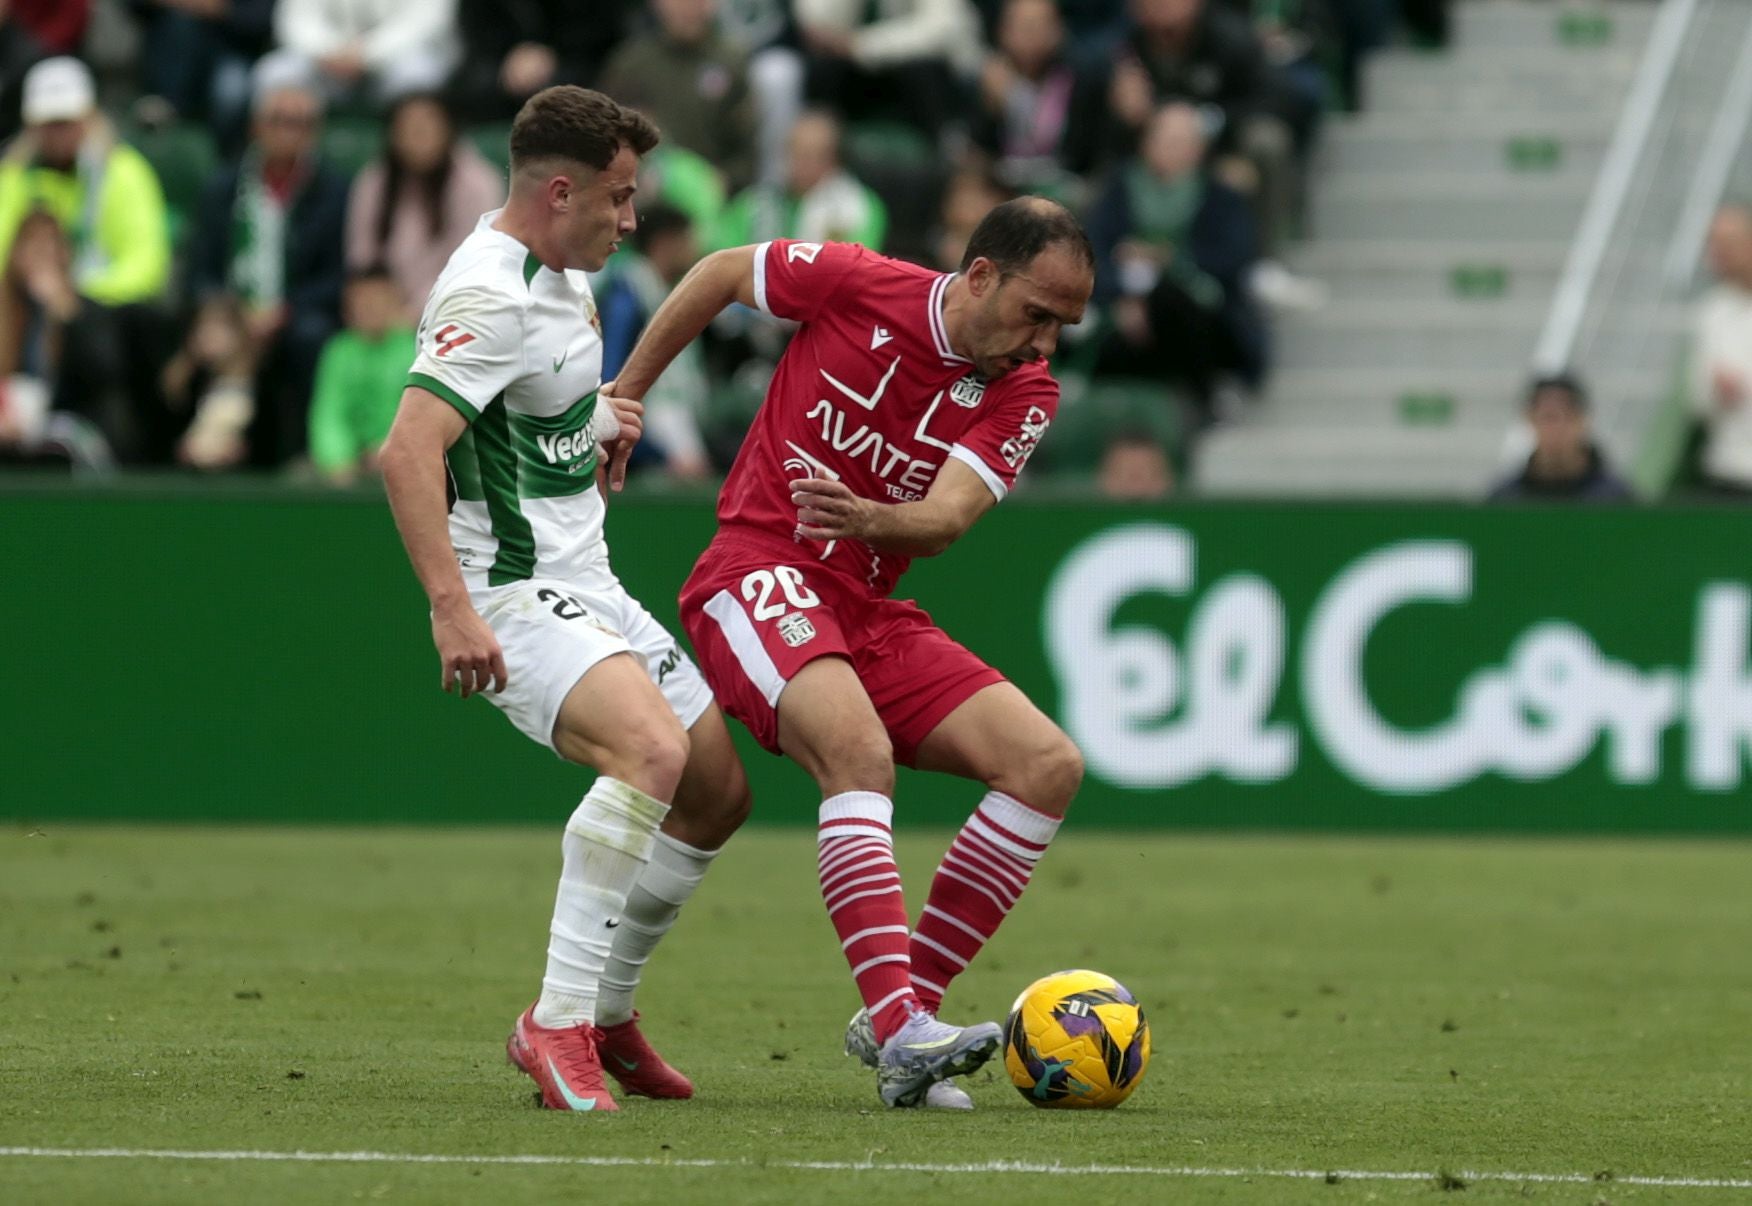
1372 1006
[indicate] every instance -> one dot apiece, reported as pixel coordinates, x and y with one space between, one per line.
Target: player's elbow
947 526
729 275
938 542
393 455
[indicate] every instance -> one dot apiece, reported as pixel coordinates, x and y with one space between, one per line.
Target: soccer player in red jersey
903 409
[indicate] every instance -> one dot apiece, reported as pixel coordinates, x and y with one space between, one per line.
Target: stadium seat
349 143
493 140
185 159
902 167
1091 412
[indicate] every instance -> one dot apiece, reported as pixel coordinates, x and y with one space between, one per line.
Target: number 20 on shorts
759 587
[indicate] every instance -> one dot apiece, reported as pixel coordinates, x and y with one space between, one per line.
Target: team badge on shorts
796 629
968 392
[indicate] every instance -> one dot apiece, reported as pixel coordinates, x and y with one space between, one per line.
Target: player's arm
708 288
828 510
412 460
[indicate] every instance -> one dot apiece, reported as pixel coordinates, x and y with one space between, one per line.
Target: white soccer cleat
861 1043
925 1052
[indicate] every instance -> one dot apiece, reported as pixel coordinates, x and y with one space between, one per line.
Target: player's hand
828 510
630 413
468 651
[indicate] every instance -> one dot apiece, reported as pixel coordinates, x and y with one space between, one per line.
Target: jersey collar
934 312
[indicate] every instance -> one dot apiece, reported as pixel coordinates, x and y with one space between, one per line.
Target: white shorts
552 632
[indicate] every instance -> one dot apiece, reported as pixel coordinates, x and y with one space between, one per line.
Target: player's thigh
915 673
998 737
829 727
616 720
551 638
713 798
772 644
671 670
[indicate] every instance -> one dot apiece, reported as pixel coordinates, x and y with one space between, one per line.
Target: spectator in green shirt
360 377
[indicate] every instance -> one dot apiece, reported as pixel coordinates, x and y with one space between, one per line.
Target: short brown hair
1012 234
568 122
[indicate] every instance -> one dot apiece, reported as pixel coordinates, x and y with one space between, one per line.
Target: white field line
861 1166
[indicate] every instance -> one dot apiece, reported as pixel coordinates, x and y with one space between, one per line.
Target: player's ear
560 190
982 275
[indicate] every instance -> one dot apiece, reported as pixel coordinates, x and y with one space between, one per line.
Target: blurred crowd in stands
219 219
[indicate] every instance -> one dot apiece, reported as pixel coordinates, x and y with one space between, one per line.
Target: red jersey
869 393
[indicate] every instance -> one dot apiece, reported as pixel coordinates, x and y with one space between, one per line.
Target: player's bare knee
738 802
861 761
1047 777
651 756
709 818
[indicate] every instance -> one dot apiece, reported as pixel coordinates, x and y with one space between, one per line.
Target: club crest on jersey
802 251
591 316
796 629
968 392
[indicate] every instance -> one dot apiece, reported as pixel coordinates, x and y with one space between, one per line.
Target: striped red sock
860 885
977 884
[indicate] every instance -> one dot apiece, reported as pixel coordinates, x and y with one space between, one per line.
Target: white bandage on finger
605 428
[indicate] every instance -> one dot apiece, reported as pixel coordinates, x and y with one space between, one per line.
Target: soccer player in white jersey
509 547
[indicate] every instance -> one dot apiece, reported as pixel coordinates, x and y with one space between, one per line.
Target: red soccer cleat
564 1062
638 1067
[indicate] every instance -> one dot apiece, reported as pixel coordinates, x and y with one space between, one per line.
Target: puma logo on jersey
878 337
449 337
568 446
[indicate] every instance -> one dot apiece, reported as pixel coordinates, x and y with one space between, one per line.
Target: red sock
860 885
977 884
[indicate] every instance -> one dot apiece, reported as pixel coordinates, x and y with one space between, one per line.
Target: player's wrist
449 602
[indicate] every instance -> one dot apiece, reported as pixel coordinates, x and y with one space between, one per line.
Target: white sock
665 884
606 844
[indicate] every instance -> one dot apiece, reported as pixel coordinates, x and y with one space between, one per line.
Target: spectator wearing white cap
69 164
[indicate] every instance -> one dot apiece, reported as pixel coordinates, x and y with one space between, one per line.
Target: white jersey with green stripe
516 348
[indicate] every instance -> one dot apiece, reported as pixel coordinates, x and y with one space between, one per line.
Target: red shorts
759 609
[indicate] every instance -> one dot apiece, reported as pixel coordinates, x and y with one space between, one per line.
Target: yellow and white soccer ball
1076 1040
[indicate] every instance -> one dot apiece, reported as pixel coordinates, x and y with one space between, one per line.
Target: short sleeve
999 445
470 348
794 279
